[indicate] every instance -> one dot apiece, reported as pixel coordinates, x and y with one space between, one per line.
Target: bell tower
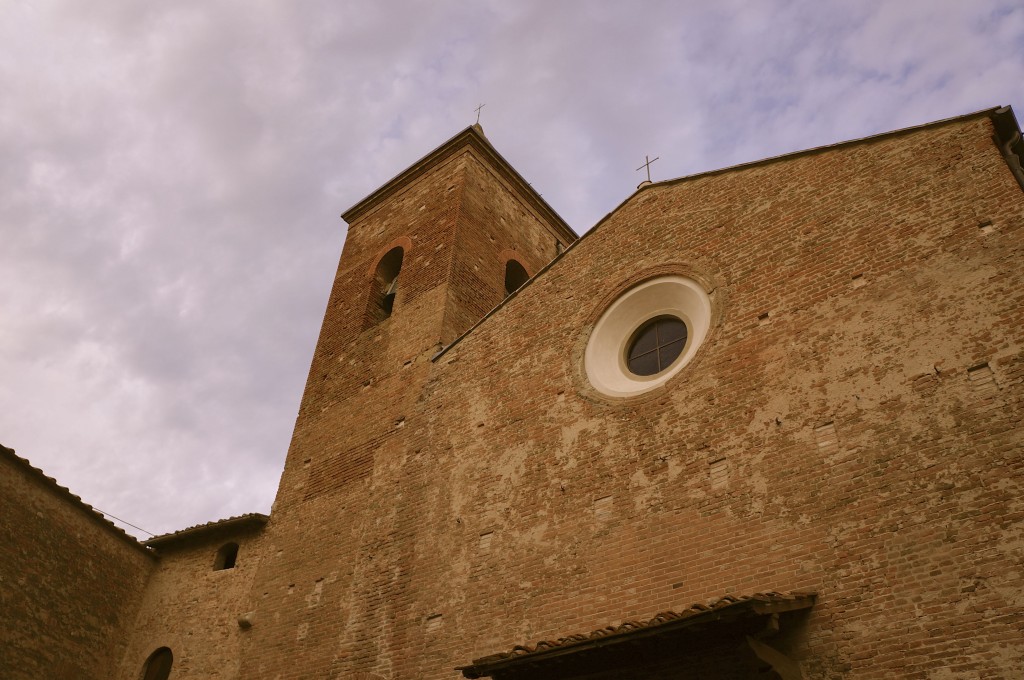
426 256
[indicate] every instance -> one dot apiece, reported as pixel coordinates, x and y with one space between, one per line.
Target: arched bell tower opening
515 276
384 287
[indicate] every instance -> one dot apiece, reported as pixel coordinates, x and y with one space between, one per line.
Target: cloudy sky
171 175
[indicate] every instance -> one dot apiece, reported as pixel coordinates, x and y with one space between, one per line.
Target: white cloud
173 173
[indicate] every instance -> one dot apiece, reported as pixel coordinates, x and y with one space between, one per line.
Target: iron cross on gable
647 165
477 109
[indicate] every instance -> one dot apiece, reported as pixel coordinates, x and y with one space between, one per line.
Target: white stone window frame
604 360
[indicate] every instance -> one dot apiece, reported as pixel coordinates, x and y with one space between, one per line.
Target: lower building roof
722 614
252 520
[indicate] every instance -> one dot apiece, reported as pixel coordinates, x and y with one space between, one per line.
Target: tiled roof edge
989 113
66 494
766 602
246 521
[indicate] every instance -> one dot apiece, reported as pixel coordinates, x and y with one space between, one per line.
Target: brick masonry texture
70 582
193 609
851 427
907 521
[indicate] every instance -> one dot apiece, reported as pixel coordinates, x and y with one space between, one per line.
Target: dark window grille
656 344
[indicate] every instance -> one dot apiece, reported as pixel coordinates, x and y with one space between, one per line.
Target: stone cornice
472 137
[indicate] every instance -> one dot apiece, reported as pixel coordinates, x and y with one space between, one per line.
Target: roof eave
753 606
991 113
1009 140
253 520
63 491
471 136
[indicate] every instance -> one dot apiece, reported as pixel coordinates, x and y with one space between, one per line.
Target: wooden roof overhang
633 643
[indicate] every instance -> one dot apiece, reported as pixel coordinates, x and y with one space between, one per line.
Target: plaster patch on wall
983 380
675 467
512 465
313 599
718 473
578 433
645 491
826 438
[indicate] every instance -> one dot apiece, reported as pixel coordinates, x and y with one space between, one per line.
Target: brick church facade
760 422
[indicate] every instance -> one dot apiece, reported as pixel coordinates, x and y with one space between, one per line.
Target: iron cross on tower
477 109
647 165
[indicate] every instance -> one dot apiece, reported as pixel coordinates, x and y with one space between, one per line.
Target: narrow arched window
384 286
515 276
158 665
226 557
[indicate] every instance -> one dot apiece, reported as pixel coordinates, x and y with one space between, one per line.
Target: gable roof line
1005 112
471 136
246 521
494 310
66 494
819 149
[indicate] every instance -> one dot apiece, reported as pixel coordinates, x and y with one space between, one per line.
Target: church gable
794 430
758 422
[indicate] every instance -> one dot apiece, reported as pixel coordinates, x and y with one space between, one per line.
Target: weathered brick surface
70 583
837 445
852 427
909 524
193 609
364 407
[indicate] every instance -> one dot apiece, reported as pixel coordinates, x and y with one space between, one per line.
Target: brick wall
193 609
494 225
852 426
364 408
70 582
841 444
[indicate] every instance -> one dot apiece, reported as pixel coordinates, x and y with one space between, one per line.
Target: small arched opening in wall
515 276
158 665
227 557
384 286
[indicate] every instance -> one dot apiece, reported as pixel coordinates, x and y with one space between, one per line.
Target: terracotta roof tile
758 602
251 519
66 493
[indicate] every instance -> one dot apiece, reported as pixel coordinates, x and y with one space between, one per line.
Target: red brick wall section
842 444
351 362
327 580
70 583
493 220
852 427
862 440
194 610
